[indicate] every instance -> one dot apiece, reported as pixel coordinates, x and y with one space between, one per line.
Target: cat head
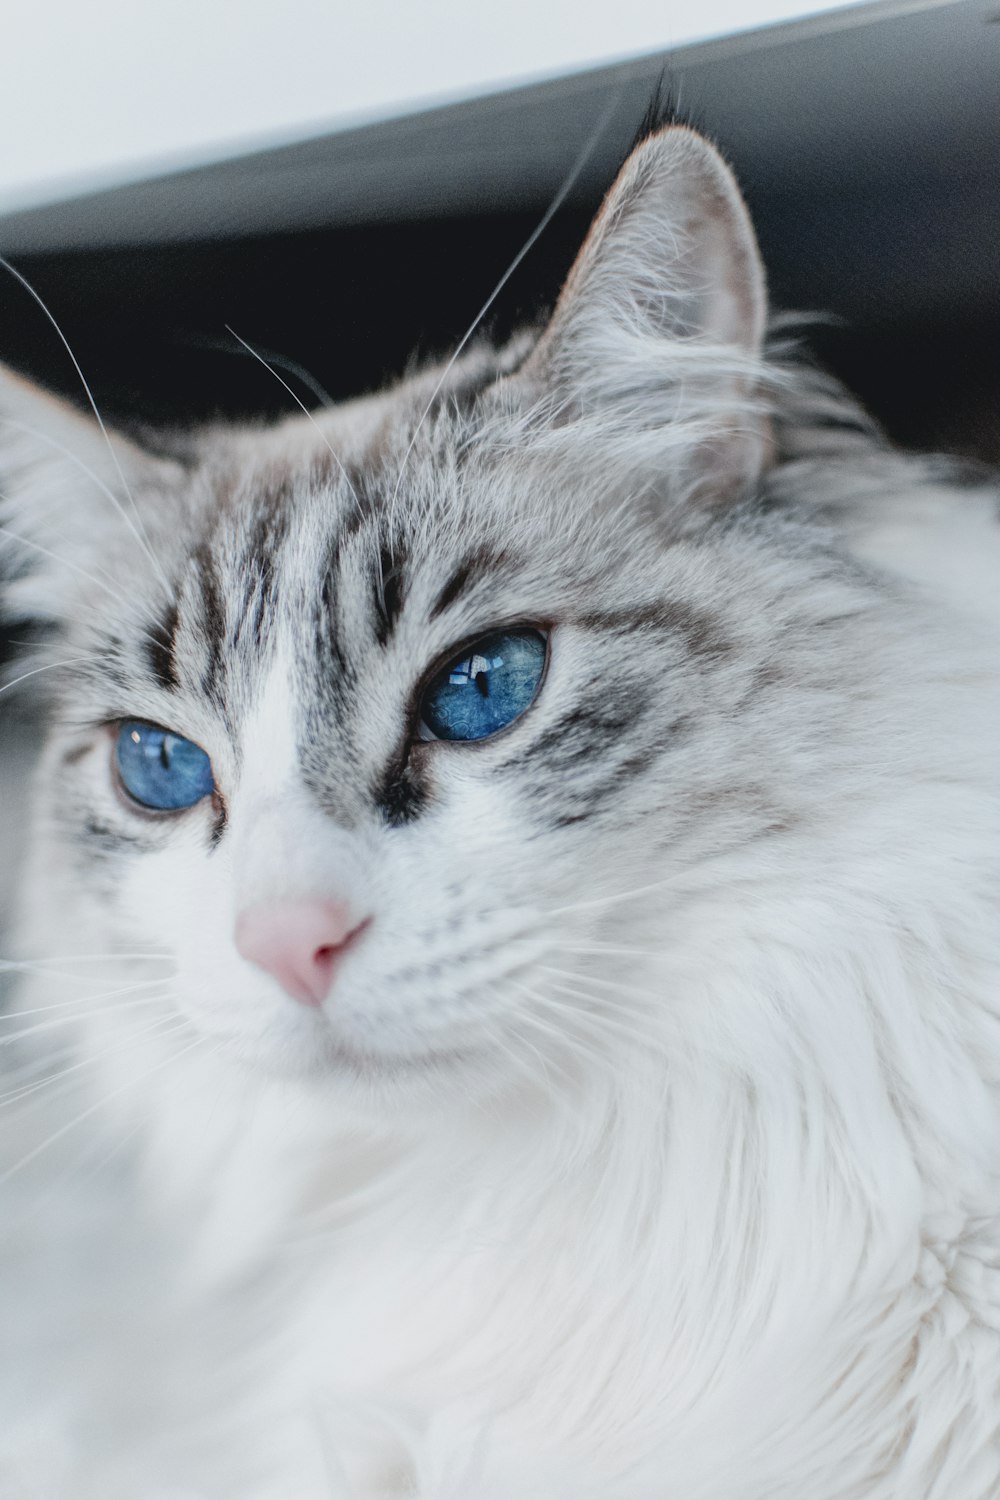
413 733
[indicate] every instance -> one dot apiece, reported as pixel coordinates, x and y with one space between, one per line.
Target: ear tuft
662 111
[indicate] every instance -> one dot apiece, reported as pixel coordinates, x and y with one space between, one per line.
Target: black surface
353 306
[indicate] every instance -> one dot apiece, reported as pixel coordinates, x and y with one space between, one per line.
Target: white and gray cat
513 914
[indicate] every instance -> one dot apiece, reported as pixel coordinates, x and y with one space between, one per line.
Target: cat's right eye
160 770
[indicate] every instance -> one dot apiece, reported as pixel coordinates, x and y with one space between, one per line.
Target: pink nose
299 942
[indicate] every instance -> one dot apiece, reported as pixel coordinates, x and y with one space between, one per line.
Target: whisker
598 901
274 357
497 1039
537 232
541 1001
44 437
23 1091
91 1110
615 986
303 408
51 666
36 296
596 1026
561 1039
40 1010
598 1023
79 958
55 1022
73 1177
107 583
604 948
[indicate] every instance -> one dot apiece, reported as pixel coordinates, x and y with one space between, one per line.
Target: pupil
483 683
164 754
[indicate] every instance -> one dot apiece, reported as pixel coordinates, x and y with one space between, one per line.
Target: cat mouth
322 1049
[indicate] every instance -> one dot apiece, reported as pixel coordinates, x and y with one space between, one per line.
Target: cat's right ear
71 497
660 326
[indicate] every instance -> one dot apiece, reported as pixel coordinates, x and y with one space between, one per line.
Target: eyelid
467 645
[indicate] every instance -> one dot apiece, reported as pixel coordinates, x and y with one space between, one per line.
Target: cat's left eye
486 687
161 770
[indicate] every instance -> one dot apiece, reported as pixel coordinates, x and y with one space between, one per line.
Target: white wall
99 91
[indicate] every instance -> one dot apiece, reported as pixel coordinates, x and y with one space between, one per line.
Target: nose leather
297 942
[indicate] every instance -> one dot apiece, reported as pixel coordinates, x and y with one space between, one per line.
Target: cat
516 857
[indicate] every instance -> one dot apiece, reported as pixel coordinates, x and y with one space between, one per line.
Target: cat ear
68 498
661 321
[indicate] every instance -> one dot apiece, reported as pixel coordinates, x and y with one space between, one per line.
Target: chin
315 1051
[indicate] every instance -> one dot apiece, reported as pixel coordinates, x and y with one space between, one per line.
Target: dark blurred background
868 144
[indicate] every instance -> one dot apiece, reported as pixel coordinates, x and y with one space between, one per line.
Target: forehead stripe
388 592
160 647
700 631
471 570
213 620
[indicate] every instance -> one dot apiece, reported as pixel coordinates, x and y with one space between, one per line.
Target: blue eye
486 688
159 769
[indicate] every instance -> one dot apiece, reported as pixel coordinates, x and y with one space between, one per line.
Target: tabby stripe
583 733
160 650
213 612
388 593
471 571
404 790
700 632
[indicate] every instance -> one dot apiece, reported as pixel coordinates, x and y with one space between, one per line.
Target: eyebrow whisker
303 408
536 234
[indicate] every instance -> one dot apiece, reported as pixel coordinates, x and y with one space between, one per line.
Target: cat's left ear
72 497
661 321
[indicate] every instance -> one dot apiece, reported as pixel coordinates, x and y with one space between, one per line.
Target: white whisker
73 1177
91 1110
26 284
598 1023
498 1040
57 1005
158 1024
33 965
616 986
537 232
51 666
604 948
43 437
599 901
303 408
108 1003
283 362
558 1038
36 546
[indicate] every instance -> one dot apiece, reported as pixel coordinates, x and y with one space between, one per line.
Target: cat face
413 734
